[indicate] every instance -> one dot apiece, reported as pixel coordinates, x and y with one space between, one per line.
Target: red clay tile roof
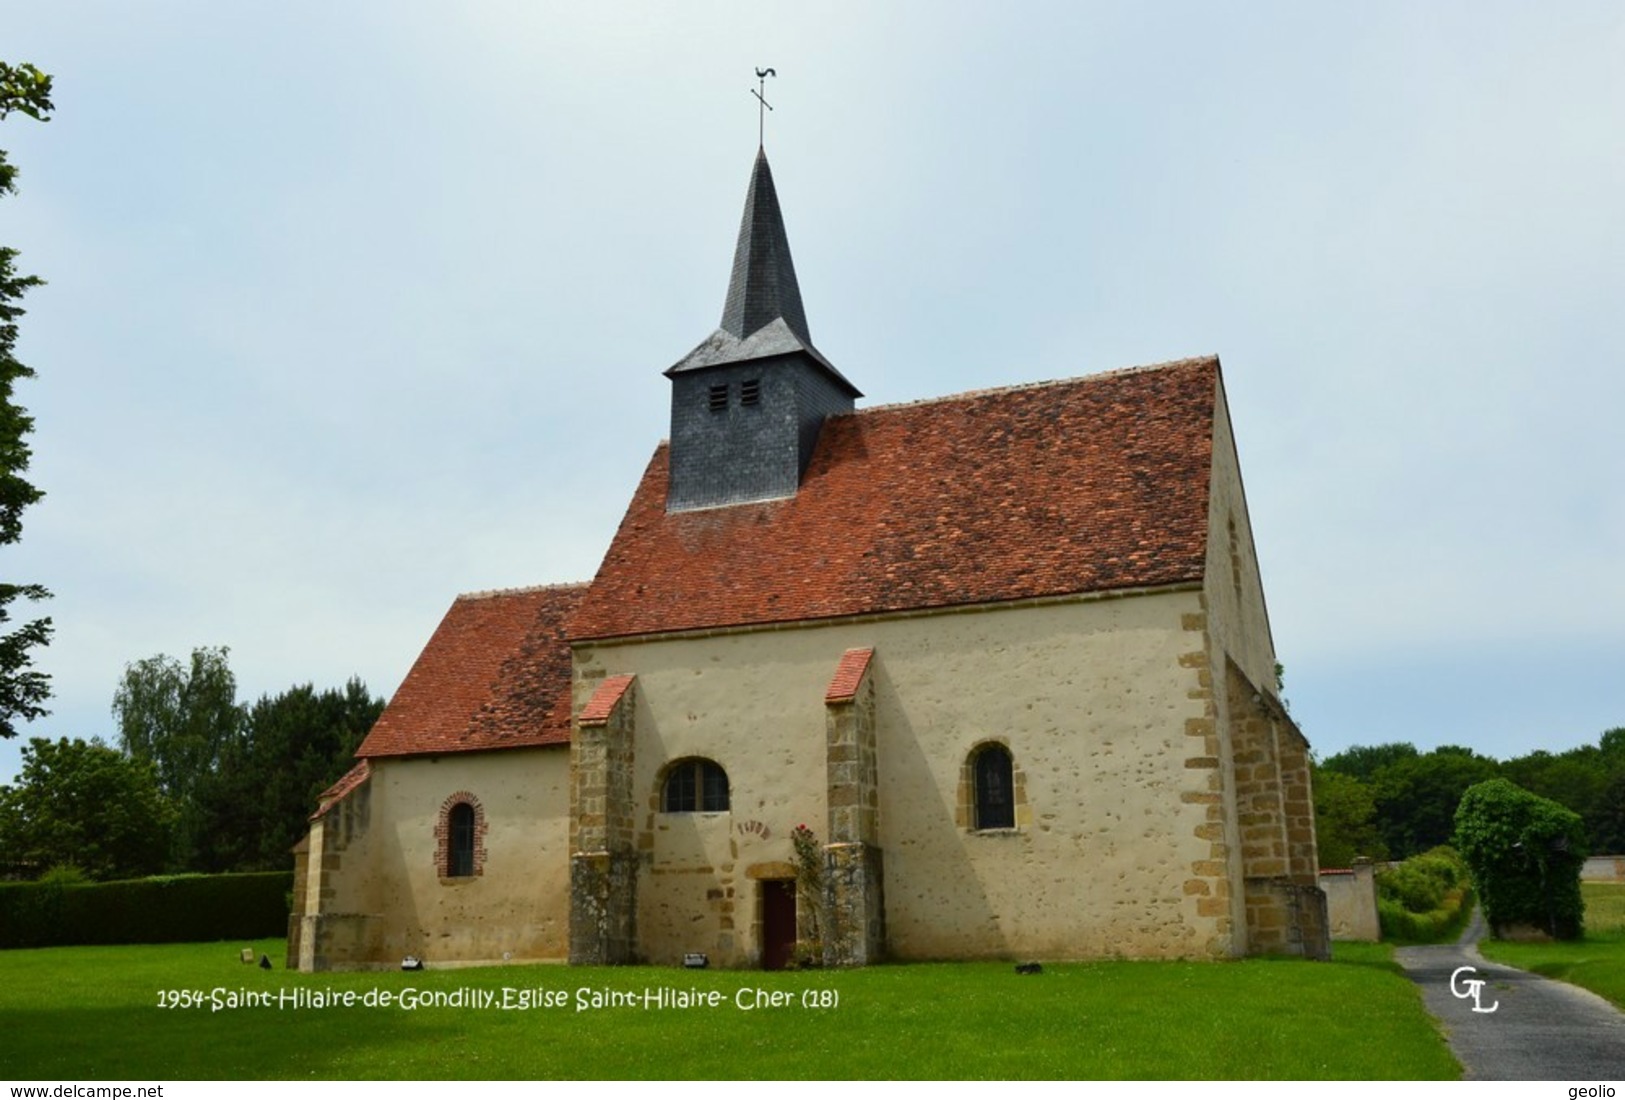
602 703
495 675
1085 485
848 675
337 793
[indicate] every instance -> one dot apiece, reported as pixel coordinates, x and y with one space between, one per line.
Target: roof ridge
1020 387
522 590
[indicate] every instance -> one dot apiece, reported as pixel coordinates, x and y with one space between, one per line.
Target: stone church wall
382 891
1285 909
1260 759
1093 699
1237 617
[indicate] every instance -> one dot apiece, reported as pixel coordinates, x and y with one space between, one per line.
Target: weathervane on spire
758 92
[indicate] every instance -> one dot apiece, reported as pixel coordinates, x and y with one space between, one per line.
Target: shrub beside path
1541 1030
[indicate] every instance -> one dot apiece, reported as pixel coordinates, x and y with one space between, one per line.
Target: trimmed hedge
1441 925
163 909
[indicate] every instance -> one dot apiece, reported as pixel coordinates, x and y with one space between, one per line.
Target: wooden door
778 923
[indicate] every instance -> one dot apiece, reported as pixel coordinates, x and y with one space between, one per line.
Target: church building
986 676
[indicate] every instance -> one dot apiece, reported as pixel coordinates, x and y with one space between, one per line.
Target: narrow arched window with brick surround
993 774
460 837
460 845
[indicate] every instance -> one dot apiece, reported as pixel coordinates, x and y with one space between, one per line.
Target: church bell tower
747 403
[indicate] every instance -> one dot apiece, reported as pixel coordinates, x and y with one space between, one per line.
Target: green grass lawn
93 1013
1596 962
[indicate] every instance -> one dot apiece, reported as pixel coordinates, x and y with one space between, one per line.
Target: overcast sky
353 307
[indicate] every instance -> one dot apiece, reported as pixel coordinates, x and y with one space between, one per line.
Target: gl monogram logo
1472 988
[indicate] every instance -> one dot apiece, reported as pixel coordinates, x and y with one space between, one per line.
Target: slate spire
763 287
762 316
747 404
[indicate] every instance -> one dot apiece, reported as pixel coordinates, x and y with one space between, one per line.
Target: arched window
695 786
460 844
460 837
995 788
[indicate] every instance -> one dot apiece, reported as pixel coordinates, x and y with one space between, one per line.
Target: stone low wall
1603 869
1351 902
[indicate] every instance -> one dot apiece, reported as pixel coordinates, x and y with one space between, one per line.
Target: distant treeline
197 783
1392 802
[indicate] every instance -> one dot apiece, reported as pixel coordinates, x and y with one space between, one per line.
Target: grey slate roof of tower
763 315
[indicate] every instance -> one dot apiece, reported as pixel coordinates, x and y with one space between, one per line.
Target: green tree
1589 780
1345 820
293 746
86 804
1525 854
1607 829
1364 761
1606 824
1416 796
23 689
1576 778
1612 746
180 718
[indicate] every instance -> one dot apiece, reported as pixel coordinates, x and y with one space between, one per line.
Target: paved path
1543 1030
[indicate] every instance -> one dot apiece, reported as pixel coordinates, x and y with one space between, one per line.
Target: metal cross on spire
759 92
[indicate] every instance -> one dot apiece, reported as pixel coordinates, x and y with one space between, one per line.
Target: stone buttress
853 895
603 859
